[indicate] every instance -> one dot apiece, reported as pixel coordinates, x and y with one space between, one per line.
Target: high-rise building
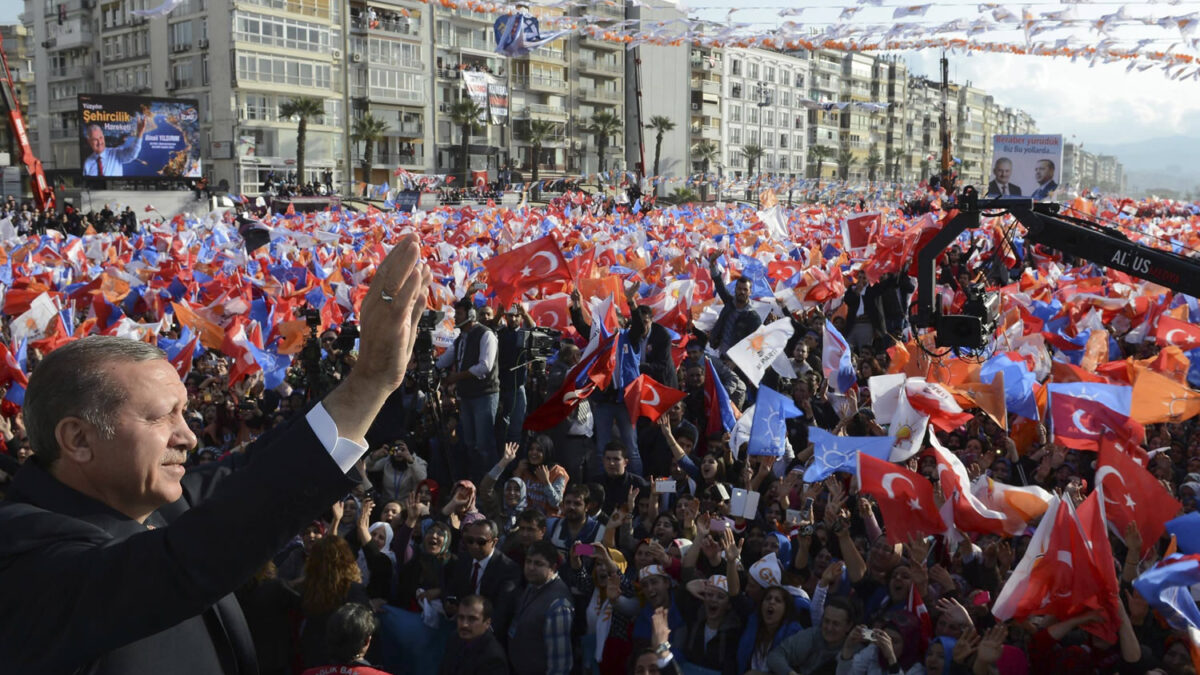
764 108
707 65
661 89
20 65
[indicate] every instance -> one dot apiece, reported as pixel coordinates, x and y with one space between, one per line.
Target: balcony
474 43
80 37
704 64
465 13
711 87
72 73
708 132
601 43
389 95
603 8
545 55
541 109
63 134
399 26
602 66
68 6
539 83
408 130
827 67
598 94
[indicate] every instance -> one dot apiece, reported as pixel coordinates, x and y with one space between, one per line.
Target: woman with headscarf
545 481
605 586
939 659
425 575
503 505
413 629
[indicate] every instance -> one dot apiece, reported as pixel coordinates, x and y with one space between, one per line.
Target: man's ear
74 437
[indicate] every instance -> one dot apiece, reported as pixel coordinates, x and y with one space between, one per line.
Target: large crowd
516 514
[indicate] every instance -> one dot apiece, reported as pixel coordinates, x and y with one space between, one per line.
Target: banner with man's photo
139 137
1025 165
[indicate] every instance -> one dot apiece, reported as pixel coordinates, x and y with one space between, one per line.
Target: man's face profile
95 140
1042 172
138 469
1003 172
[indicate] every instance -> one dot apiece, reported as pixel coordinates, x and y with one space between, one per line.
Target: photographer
400 470
477 383
513 371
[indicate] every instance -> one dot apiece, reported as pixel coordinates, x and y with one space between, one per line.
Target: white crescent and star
890 478
1077 420
1101 474
653 403
1187 339
528 269
550 313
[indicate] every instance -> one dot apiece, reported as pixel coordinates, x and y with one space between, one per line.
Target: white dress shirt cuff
343 450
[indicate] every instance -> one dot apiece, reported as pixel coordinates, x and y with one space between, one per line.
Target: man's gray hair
71 382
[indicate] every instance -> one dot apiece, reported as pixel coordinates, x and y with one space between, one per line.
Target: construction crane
43 194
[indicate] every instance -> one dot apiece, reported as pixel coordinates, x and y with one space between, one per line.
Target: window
785 98
800 80
735 113
287 33
395 85
753 115
783 162
261 68
204 69
783 140
736 67
181 74
735 90
735 135
769 138
180 34
770 117
753 137
753 72
394 53
771 74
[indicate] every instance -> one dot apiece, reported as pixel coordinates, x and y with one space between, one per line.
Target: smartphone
794 516
868 635
585 550
808 504
718 525
664 486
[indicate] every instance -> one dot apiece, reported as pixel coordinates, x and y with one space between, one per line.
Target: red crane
43 194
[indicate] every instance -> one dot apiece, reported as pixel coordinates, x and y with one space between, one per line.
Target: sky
1101 104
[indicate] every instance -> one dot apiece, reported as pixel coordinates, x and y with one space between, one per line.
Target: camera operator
510 338
477 383
400 470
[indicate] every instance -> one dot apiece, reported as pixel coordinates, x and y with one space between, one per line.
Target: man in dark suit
737 318
486 571
116 563
474 649
1001 174
864 313
1043 171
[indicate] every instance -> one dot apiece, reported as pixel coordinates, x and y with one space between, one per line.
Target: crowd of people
606 542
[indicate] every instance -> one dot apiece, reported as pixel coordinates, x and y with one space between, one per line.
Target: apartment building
663 88
765 92
1083 170
972 146
824 125
20 64
707 66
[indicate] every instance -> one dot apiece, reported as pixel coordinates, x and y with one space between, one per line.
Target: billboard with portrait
139 137
1026 165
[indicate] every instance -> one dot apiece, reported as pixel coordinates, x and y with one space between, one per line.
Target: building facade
764 108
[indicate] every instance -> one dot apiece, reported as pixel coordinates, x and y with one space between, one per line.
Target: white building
762 107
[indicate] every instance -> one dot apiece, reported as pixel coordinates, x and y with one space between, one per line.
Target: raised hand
660 629
510 453
832 574
631 502
542 473
967 644
992 645
956 610
338 509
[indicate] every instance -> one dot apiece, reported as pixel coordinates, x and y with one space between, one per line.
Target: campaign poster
1025 166
477 88
498 103
139 137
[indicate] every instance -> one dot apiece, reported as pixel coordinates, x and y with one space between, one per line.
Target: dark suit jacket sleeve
581 325
70 586
718 281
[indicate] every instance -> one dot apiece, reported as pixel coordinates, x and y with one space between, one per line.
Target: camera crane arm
1081 238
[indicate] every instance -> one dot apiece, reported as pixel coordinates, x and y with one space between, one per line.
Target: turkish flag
1063 373
525 267
857 231
183 360
931 398
905 498
594 371
1132 494
647 398
1172 331
552 312
783 270
1096 532
1064 581
969 513
1080 423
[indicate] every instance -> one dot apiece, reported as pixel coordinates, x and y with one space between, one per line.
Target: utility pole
945 167
347 113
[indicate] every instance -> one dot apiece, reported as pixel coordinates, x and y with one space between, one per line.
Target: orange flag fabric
1157 398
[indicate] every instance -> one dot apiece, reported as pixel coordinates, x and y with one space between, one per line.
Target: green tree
817 154
845 162
682 195
661 125
705 152
303 107
873 163
754 154
369 130
604 126
537 133
466 114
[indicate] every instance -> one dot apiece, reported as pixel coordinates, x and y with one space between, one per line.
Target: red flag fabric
1172 331
916 606
931 398
905 498
183 361
552 312
1081 423
525 267
1133 494
647 398
1096 532
1064 581
594 371
969 513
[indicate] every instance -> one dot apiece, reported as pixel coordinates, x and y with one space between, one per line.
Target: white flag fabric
32 324
885 395
907 430
758 350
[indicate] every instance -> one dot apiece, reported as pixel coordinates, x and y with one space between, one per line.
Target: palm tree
369 129
817 154
845 161
604 125
754 154
302 107
705 152
466 114
873 162
661 125
537 133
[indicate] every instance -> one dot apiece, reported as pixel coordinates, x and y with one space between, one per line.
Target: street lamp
762 96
